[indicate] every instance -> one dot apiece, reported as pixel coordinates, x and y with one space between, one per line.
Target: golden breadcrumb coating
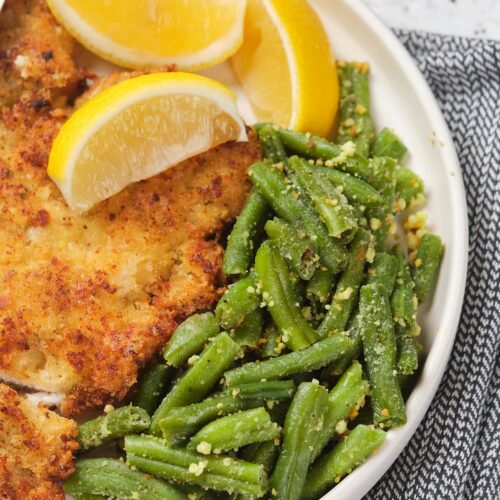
36 57
36 449
86 300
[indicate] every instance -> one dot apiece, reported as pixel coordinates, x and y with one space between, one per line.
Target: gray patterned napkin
455 453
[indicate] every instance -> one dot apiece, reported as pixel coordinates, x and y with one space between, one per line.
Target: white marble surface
476 18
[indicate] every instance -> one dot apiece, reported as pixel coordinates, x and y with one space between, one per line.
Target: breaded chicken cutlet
86 300
36 449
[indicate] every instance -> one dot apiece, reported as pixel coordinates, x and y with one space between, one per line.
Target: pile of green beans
295 377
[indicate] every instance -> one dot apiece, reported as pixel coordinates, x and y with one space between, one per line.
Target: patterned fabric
455 453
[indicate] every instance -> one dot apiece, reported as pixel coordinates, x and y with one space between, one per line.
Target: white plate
401 100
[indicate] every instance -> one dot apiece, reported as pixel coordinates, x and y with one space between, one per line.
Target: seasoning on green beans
387 143
273 277
312 358
152 386
290 206
152 455
381 219
380 351
117 423
344 401
265 454
346 456
243 240
112 478
198 381
272 144
357 191
383 271
234 431
331 204
303 425
295 247
190 337
331 155
240 299
409 186
404 316
355 121
426 265
319 287
346 292
181 423
249 331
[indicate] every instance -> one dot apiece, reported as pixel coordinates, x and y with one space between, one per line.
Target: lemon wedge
138 128
286 66
191 34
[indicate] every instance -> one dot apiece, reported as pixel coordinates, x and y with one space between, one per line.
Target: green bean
294 245
181 423
404 316
265 391
234 431
339 366
260 125
346 456
270 342
331 205
312 358
249 332
264 454
426 265
271 142
303 425
196 492
355 122
379 349
383 272
408 185
273 276
290 206
344 399
198 381
111 478
380 219
319 287
152 385
153 456
387 143
243 240
190 337
346 292
116 424
189 475
357 191
240 299
343 157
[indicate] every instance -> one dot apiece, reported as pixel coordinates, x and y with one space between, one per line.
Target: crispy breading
85 300
36 449
37 57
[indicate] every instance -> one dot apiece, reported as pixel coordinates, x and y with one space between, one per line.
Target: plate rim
363 478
